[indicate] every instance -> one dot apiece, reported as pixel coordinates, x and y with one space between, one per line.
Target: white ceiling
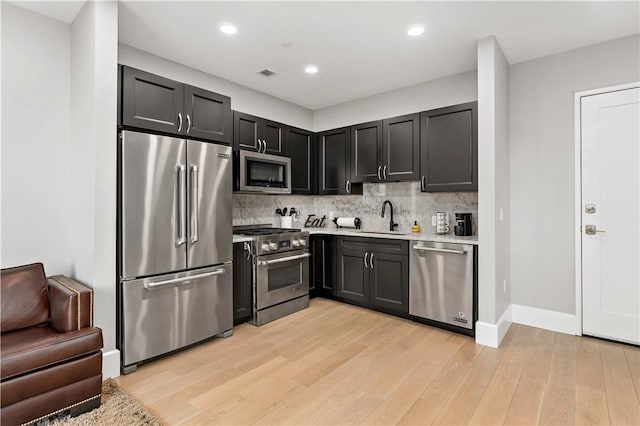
361 48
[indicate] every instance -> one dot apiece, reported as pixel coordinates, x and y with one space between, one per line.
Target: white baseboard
110 364
492 334
542 318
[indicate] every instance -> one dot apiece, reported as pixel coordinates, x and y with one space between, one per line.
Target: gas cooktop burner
265 231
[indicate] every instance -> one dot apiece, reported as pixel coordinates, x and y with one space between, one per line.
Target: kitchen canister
286 222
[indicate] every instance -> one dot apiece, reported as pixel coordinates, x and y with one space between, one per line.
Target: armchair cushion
28 350
25 298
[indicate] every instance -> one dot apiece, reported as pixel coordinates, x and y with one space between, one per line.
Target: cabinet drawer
378 245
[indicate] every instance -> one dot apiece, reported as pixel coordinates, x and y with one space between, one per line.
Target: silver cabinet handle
182 206
194 204
263 146
259 145
422 183
379 170
371 261
188 123
283 259
366 265
439 250
347 187
150 285
179 122
384 172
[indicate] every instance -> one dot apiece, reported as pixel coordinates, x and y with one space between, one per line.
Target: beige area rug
117 408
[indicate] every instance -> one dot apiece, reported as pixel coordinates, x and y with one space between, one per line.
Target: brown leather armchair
50 353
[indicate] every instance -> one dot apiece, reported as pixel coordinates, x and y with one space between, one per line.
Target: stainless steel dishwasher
442 285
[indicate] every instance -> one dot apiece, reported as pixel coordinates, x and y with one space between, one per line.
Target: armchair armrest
71 304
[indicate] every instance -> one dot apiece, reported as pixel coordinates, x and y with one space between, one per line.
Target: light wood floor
338 364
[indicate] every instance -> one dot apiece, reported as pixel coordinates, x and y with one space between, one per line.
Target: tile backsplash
409 204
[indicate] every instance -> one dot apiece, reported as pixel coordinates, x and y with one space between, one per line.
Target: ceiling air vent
266 72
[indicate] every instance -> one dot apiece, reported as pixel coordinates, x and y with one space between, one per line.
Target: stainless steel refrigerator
175 244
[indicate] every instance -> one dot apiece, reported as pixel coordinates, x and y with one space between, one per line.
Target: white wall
92 233
542 164
493 192
451 90
35 140
242 98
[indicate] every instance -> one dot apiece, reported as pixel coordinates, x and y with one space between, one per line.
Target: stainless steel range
280 271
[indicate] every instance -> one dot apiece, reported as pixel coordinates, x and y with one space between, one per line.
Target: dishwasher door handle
439 250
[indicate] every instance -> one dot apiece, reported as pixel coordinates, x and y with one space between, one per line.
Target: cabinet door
152 102
272 134
245 131
449 148
366 150
334 175
301 148
401 148
208 115
242 275
352 275
389 283
325 284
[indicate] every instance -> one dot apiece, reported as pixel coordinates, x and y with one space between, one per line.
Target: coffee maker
463 226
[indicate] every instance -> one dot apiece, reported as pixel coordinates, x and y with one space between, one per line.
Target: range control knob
273 246
296 243
265 247
302 242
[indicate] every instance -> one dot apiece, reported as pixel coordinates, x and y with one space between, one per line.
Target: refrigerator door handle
194 204
182 206
150 285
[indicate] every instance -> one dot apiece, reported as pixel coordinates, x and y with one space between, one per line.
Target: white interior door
610 125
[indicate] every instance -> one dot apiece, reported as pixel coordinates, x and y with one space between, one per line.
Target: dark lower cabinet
449 148
301 149
242 283
322 276
373 273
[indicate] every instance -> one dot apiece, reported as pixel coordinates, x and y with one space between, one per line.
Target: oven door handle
284 259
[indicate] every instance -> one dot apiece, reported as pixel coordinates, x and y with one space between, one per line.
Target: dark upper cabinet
258 134
366 152
208 115
449 148
155 103
242 284
322 275
334 161
301 149
151 102
373 273
401 148
387 150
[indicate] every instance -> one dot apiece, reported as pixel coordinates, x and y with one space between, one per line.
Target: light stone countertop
420 236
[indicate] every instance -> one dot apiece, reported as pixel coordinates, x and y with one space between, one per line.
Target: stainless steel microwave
263 173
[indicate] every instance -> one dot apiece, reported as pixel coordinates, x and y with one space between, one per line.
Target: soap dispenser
415 227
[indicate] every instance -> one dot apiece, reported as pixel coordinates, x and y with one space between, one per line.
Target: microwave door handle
283 259
194 204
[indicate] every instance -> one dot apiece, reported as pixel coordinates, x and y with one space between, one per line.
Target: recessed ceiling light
415 31
228 29
311 69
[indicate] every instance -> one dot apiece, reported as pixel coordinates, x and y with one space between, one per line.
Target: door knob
592 230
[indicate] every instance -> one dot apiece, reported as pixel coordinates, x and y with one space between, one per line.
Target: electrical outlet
433 221
504 286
